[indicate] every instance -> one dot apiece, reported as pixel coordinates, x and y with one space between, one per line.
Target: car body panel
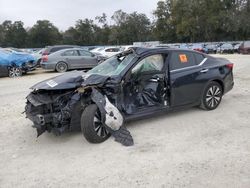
226 48
157 90
10 59
74 61
245 47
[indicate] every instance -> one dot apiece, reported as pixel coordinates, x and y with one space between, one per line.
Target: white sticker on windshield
51 83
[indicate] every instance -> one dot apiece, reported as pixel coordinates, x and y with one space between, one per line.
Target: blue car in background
14 64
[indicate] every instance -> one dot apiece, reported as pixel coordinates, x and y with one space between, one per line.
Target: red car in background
245 48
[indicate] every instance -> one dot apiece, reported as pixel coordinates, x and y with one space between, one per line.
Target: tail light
45 58
230 66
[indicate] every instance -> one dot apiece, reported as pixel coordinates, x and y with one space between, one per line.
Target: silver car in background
68 59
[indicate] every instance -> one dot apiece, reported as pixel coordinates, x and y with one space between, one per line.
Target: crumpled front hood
70 80
67 80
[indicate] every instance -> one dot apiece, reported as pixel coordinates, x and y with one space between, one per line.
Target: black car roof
141 51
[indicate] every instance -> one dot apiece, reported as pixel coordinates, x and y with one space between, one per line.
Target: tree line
174 21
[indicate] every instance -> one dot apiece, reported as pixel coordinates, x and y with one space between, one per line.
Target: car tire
212 96
91 125
15 72
61 67
38 63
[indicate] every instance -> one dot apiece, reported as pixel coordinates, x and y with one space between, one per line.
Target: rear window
181 60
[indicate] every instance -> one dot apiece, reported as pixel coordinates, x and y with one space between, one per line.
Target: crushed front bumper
50 113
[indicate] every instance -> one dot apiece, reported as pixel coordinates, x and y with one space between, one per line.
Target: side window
150 63
56 49
112 50
181 60
199 58
70 53
85 53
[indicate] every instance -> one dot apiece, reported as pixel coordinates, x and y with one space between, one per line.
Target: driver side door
145 85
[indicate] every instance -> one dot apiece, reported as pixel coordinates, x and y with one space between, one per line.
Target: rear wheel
15 72
61 67
212 96
92 128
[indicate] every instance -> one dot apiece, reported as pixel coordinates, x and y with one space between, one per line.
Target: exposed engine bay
60 110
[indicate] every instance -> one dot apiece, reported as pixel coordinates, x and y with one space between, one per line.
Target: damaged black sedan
137 83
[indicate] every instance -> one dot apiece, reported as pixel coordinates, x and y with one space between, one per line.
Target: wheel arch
219 82
61 61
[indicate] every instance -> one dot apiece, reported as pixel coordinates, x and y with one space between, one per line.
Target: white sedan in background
110 51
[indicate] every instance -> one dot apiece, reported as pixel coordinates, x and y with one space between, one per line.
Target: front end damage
56 105
51 111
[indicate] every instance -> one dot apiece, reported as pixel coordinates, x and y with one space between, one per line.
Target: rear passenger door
72 58
87 59
186 77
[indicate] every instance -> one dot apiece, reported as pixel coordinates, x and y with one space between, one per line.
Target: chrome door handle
154 80
204 70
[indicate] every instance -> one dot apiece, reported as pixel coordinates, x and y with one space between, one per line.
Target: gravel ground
190 148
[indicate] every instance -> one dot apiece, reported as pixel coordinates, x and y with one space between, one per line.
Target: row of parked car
15 62
67 57
213 48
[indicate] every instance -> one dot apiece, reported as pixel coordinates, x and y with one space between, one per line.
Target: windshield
112 66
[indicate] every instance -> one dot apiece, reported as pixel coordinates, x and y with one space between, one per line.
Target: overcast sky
64 13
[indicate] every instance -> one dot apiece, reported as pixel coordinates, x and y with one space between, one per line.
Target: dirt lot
191 148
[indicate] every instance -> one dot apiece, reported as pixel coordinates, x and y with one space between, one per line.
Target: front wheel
92 128
212 96
15 72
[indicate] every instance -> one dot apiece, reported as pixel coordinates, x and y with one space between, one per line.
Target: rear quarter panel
218 71
188 85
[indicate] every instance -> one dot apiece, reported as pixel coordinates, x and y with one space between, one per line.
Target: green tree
85 32
44 33
130 28
102 33
164 29
70 36
201 20
13 34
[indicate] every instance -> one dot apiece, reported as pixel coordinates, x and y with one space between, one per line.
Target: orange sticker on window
183 58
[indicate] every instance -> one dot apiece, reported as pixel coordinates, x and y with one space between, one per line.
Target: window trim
77 54
191 53
201 63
